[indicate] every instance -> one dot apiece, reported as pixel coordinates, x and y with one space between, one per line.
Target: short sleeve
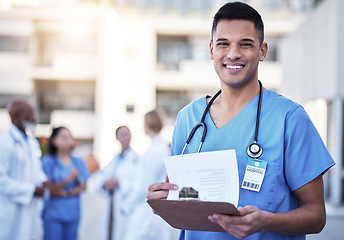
305 155
47 167
174 136
83 171
179 133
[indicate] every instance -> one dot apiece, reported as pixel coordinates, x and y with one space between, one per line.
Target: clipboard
192 215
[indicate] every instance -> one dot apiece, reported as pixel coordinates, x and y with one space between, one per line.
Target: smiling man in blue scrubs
290 201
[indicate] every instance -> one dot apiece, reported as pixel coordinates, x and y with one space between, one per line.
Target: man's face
27 118
236 52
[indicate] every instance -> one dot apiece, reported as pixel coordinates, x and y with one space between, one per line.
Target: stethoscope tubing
202 123
258 111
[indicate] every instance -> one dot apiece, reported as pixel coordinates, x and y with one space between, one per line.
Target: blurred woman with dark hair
68 175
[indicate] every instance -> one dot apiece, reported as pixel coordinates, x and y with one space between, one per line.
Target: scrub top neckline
63 164
212 124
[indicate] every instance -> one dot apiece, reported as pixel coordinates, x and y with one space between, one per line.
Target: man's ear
211 47
263 51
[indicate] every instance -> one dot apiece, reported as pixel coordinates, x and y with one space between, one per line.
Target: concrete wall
310 56
312 63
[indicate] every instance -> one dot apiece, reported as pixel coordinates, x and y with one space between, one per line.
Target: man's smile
234 67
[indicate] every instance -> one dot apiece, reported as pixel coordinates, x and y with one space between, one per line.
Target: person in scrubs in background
68 175
22 179
290 202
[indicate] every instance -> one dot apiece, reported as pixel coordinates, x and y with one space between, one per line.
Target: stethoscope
254 150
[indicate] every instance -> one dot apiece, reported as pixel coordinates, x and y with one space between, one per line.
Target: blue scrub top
65 209
292 148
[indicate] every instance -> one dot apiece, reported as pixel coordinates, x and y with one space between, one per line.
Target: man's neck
152 134
231 102
19 127
124 149
237 98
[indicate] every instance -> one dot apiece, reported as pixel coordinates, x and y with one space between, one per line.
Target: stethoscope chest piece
254 150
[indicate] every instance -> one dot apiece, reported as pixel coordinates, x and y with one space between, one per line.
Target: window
171 51
172 101
168 6
51 43
272 54
14 44
63 95
6 98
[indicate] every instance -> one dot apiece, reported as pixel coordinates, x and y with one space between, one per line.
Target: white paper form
213 174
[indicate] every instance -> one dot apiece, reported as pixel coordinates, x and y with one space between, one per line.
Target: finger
225 220
217 218
230 224
157 195
246 210
160 190
162 186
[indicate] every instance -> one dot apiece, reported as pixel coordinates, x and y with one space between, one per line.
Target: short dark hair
239 11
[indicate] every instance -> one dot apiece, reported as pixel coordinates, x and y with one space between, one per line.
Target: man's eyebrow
247 40
243 40
221 39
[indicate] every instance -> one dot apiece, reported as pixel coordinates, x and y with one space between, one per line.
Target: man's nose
233 52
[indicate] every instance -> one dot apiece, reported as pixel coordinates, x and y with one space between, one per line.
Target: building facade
95 65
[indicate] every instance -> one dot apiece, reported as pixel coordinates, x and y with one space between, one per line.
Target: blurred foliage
43 142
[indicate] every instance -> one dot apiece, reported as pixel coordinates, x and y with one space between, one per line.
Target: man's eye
222 44
247 45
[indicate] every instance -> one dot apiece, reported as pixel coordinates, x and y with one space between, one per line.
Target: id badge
254 174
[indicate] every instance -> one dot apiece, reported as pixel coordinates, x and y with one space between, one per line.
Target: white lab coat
145 225
124 169
20 173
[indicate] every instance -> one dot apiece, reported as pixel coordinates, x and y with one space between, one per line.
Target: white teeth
234 67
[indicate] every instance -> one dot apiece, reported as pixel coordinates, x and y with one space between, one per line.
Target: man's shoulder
279 102
195 106
4 134
5 138
132 153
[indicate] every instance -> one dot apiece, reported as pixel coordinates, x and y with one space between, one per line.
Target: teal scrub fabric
292 148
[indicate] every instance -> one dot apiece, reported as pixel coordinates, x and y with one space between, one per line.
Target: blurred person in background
68 175
117 181
22 179
146 225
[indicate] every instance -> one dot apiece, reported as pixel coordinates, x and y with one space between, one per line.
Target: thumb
246 210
